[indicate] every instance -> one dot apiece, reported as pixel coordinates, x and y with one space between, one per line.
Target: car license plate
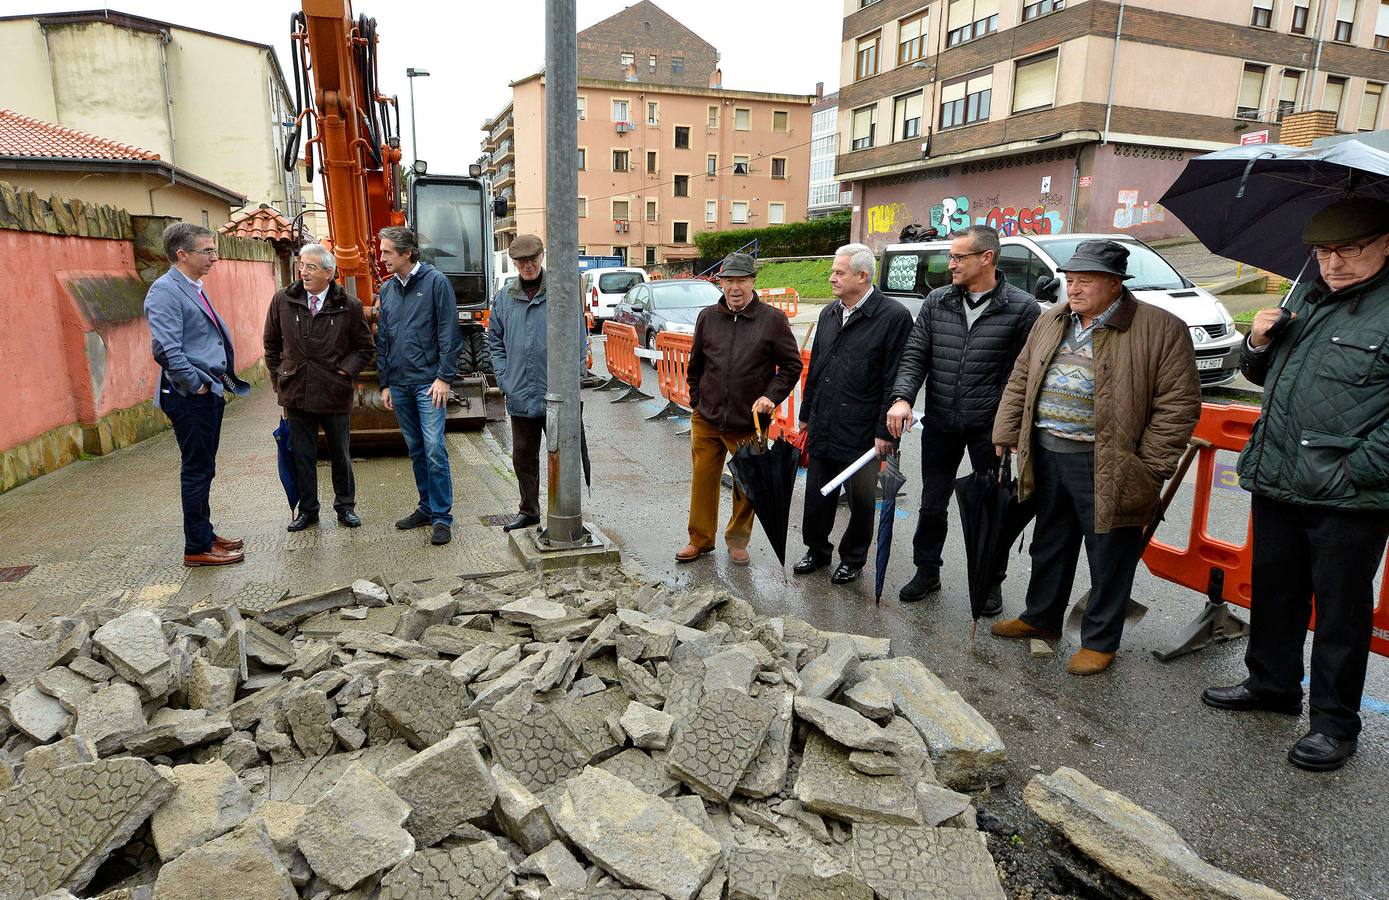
1214 362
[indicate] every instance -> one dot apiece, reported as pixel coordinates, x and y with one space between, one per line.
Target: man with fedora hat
1317 464
744 359
1100 406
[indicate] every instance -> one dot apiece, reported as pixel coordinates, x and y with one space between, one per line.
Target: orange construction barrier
784 420
620 346
1217 568
673 368
788 300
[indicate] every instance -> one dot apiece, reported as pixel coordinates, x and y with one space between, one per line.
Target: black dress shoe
993 605
302 521
809 563
416 519
1318 752
922 583
521 522
1240 698
442 535
845 574
350 519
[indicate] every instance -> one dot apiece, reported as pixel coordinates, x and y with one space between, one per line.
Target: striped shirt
1066 402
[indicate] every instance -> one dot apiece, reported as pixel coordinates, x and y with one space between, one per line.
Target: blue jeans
422 424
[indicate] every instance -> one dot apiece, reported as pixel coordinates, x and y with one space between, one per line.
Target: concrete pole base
531 548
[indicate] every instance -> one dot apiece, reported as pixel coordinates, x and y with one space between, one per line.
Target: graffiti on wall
887 218
1130 214
952 214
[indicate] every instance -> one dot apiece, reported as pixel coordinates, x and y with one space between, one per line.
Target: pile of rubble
582 736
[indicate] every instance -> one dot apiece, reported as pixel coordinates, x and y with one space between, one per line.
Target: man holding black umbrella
1317 464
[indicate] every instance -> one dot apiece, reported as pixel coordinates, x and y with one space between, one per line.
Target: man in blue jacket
417 339
197 365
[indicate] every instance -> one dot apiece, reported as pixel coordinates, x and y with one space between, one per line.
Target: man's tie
314 304
207 305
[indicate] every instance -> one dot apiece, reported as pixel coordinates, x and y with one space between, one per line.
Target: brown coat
738 357
307 355
1147 401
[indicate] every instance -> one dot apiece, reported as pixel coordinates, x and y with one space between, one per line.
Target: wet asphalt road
1221 779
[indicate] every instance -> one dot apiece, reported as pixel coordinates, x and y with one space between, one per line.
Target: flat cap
525 245
1348 220
737 264
1107 257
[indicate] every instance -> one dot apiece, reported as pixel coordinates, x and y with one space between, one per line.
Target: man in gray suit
197 365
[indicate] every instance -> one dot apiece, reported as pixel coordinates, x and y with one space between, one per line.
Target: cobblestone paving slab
472 872
586 719
827 784
925 863
642 770
719 742
422 705
766 775
843 886
755 874
538 749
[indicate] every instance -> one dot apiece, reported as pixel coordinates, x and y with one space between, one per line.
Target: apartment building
826 198
664 150
1047 116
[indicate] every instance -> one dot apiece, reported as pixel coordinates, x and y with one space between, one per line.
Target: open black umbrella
284 457
766 475
890 479
983 499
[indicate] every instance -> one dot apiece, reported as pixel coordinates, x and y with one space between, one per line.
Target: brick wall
645 30
1301 129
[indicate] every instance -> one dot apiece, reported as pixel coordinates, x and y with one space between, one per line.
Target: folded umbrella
284 457
983 499
766 476
890 479
1016 515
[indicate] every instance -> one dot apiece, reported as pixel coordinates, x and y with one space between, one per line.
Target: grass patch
1246 317
810 277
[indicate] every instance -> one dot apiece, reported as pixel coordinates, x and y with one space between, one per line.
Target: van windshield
915 271
1149 270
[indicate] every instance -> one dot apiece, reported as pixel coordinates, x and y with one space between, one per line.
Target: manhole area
14 573
498 518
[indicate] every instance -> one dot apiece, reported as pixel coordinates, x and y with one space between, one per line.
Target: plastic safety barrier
788 300
620 346
673 367
784 420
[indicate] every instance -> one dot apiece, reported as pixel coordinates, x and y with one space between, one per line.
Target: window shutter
1036 84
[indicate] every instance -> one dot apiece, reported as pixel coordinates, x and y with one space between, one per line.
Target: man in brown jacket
316 341
744 359
1100 406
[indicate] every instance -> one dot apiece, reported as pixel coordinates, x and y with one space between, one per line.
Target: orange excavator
344 125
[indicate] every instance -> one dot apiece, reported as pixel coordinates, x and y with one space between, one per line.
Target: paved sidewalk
109 530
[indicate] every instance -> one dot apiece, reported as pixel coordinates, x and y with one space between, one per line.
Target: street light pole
411 75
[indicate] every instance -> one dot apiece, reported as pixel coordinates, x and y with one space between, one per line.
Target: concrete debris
242 864
648 728
355 830
208 801
109 716
1039 649
133 645
445 786
369 593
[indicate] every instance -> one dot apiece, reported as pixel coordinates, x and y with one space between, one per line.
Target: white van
600 290
910 271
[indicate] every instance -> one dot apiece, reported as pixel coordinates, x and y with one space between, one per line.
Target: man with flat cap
744 359
1100 406
1317 464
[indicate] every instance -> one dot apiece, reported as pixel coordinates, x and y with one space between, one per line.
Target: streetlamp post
412 74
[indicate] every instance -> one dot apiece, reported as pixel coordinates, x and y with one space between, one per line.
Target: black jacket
736 358
307 355
853 368
964 369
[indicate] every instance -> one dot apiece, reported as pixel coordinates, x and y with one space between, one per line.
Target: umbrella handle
757 424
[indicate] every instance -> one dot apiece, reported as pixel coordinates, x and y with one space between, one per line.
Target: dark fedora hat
1107 257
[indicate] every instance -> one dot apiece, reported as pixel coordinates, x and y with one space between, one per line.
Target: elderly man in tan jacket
1100 406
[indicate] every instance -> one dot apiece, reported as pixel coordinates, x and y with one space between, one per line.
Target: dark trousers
526 436
1300 551
1065 492
941 452
818 518
303 437
197 422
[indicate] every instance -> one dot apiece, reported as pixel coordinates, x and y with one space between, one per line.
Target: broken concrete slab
328 624
369 593
422 705
924 863
870 763
454 640
355 830
556 865
521 815
70 751
446 785
731 668
713 751
265 646
766 775
38 715
643 770
641 684
281 821
349 736
133 644
310 716
421 614
647 728
827 784
91 669
66 686
1130 842
178 736
236 866
870 699
111 715
938 804
295 610
586 718
537 749
823 675
531 609
306 781
843 886
470 872
208 801
383 644
209 687
473 663
843 725
756 874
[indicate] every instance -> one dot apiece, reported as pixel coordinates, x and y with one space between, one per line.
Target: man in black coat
962 347
853 365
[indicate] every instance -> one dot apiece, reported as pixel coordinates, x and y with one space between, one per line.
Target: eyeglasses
206 251
309 267
1349 251
961 257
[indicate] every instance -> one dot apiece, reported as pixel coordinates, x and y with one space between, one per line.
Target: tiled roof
26 136
265 223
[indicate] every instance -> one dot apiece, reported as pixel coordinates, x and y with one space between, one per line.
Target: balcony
504 224
505 152
502 130
504 178
624 127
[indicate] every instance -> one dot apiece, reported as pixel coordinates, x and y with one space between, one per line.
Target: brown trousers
526 438
709 448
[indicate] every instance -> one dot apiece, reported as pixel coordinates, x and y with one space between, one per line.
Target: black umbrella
983 498
1016 515
284 457
890 480
1250 203
766 476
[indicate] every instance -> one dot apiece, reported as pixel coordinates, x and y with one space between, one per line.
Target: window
1034 82
619 160
627 59
651 210
906 117
713 120
1288 89
680 232
864 124
205 219
651 162
966 101
653 112
1369 107
621 210
583 158
682 137
651 64
1034 10
778 167
1301 13
621 111
583 107
682 185
711 212
866 56
677 65
1334 96
776 213
1261 16
781 121
583 207
583 250
742 120
1382 26
711 164
1022 267
1251 91
970 19
620 253
650 255
740 165
911 39
740 212
1345 21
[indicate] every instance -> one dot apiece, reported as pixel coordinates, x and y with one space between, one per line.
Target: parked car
665 306
910 271
600 290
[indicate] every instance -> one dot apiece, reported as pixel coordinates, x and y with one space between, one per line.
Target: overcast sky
472 50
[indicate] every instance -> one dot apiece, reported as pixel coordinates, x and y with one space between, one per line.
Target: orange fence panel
673 368
620 350
788 300
784 419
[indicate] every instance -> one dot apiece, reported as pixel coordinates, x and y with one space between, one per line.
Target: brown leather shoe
1089 662
690 553
213 557
738 556
223 543
1017 628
